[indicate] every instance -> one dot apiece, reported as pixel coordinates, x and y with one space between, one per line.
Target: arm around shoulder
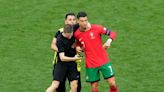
67 59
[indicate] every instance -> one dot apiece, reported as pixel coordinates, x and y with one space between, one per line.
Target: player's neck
85 29
82 29
64 35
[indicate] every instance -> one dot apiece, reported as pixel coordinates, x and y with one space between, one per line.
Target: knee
112 82
53 86
74 85
94 85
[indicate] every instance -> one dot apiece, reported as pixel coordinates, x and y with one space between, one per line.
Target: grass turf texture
27 28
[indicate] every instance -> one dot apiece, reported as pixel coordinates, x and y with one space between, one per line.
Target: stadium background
27 28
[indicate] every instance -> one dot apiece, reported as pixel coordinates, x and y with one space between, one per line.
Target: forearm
67 59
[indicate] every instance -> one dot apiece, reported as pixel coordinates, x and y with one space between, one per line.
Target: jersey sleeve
103 30
60 46
106 31
56 34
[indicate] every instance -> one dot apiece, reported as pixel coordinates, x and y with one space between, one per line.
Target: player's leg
59 75
94 86
53 86
73 85
113 87
61 87
73 76
108 74
93 76
79 83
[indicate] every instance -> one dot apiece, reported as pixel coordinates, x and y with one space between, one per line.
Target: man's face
71 20
83 21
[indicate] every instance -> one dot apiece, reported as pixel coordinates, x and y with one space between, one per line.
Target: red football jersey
91 41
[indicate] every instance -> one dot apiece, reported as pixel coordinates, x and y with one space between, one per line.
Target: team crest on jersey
92 35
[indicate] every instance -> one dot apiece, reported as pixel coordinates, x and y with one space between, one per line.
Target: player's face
71 20
83 21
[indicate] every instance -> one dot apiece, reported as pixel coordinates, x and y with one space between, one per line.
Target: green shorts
93 74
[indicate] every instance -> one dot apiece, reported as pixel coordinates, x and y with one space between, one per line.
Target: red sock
94 90
113 89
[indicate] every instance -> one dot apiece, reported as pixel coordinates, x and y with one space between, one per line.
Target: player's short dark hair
68 28
68 14
81 14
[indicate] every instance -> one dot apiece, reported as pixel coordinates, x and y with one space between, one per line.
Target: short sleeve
104 30
101 29
56 34
60 46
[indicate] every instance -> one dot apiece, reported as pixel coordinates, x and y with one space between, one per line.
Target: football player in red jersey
96 58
